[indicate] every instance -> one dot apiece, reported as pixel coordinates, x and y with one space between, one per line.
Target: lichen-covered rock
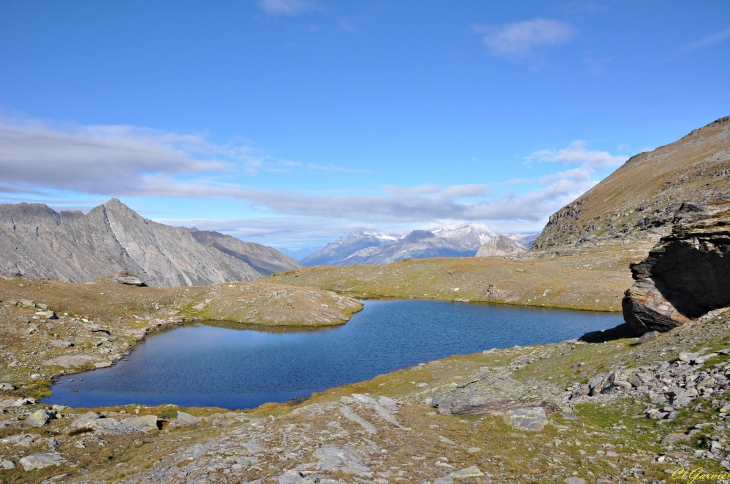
85 420
41 461
38 418
145 423
685 275
531 418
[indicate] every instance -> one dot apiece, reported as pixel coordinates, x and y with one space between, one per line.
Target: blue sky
292 122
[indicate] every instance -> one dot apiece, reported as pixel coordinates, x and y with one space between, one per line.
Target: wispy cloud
521 38
107 160
707 41
288 7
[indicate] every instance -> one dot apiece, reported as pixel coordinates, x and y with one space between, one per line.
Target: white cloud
707 41
127 161
288 7
519 39
576 152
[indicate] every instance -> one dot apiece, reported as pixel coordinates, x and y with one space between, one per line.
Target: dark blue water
243 368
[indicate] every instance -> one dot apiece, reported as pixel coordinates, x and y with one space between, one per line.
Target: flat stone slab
41 461
69 361
493 390
530 418
472 471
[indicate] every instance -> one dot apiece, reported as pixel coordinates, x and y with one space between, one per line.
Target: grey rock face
500 245
494 391
263 259
41 461
685 275
38 242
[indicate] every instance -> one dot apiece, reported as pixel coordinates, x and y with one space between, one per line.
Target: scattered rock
6 387
185 419
6 465
47 314
346 460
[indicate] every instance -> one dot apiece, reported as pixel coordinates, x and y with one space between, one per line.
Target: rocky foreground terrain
570 412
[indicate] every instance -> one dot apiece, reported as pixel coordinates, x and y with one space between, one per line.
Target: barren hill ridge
638 202
36 241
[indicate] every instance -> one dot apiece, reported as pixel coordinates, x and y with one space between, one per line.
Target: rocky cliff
36 241
686 274
265 260
638 202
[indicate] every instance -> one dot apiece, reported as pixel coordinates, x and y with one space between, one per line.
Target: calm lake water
243 368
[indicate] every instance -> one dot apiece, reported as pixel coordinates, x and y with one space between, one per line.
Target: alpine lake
237 366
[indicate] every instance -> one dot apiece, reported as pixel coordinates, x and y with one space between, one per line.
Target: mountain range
36 241
381 248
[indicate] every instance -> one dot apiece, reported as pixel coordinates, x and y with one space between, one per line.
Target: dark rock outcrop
686 275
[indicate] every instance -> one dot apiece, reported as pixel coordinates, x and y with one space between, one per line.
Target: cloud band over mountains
128 161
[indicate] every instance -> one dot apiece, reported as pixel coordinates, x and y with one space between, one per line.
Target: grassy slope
594 281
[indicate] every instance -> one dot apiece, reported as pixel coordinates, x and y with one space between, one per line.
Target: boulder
38 418
41 461
110 426
686 275
127 278
85 420
146 423
47 314
6 387
185 419
6 465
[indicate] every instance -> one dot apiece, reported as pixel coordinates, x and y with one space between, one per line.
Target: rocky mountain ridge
38 242
637 203
266 260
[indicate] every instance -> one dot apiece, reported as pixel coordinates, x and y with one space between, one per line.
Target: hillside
266 260
637 203
38 242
